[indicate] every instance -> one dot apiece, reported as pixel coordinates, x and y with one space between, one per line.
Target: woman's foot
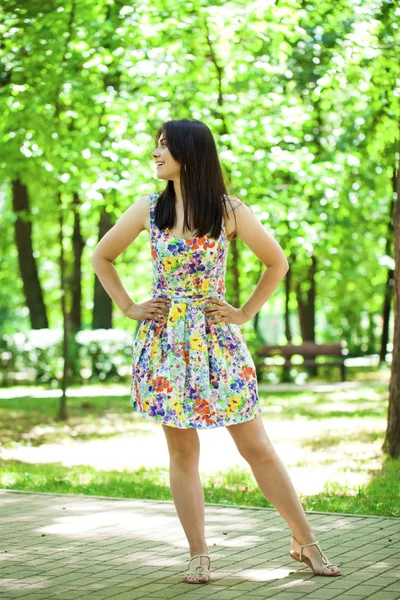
199 569
311 554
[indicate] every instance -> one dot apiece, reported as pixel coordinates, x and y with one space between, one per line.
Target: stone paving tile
68 595
79 547
384 596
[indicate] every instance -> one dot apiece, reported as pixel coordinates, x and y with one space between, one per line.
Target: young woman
191 367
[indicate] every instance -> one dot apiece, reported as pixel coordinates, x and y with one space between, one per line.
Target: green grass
32 421
27 421
231 487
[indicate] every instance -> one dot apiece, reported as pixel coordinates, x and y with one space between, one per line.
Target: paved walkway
55 546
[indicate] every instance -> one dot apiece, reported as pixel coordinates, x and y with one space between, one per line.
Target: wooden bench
308 350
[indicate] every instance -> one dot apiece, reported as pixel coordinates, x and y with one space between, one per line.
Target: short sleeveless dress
189 370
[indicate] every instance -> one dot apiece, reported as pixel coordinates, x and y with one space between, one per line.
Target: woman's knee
252 441
258 453
183 444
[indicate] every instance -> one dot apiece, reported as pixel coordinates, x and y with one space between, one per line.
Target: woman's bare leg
273 479
186 487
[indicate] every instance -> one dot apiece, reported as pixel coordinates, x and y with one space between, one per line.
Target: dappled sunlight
244 541
343 407
364 393
125 543
267 574
316 454
318 481
362 402
82 428
321 451
114 453
112 521
382 375
83 391
306 583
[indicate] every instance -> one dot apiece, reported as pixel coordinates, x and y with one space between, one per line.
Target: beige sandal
197 573
299 557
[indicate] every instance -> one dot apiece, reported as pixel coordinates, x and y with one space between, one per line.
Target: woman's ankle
306 537
196 551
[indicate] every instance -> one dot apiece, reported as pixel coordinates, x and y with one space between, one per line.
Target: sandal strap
196 569
196 555
304 545
199 568
310 544
324 558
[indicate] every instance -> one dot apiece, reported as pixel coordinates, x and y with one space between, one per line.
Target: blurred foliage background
303 101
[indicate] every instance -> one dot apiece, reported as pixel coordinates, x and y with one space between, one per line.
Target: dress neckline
169 232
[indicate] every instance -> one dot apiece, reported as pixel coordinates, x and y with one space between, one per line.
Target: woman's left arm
267 249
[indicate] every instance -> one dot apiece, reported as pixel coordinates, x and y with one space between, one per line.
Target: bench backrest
307 349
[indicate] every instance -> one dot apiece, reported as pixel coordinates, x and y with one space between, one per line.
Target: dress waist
195 299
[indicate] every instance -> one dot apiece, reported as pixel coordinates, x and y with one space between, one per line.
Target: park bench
308 350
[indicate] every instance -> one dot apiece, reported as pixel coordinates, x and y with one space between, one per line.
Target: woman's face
166 166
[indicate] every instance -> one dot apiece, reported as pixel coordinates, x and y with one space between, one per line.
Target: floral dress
189 370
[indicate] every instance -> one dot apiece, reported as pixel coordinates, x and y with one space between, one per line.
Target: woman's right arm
112 244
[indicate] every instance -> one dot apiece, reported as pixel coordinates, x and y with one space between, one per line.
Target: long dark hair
204 192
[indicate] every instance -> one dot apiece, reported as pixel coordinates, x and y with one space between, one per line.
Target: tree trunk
102 308
76 283
306 302
256 319
62 413
371 334
387 301
391 443
288 286
74 317
388 293
26 260
234 260
285 375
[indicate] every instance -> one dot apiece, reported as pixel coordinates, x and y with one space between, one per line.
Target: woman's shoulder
148 199
233 204
150 195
